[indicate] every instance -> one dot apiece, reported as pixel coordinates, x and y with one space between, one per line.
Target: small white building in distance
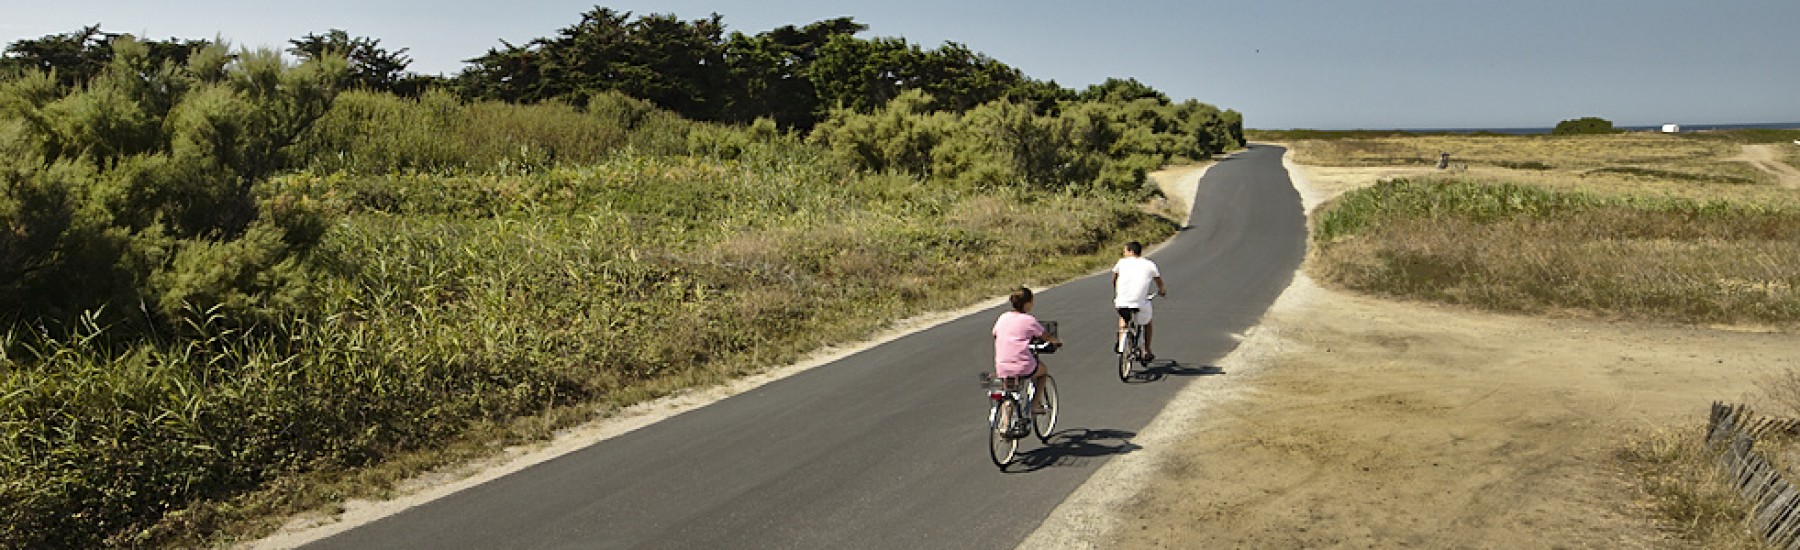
1671 128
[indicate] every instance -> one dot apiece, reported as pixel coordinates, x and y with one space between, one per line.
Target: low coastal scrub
1519 248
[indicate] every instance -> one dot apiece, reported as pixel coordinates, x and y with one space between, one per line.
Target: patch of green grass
1670 175
1522 165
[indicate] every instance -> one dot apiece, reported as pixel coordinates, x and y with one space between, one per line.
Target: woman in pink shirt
1013 334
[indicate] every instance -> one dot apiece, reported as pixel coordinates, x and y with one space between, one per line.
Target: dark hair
1136 248
1019 298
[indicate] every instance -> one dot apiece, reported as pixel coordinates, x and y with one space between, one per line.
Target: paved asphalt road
887 448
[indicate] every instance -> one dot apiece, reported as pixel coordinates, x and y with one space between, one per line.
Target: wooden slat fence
1775 502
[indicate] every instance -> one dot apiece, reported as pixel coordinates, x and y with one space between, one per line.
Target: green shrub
119 186
1104 145
1583 126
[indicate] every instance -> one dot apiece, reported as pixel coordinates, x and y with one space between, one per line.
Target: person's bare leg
1037 389
1006 417
1149 329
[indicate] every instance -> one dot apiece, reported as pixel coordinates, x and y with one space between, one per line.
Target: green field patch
1669 175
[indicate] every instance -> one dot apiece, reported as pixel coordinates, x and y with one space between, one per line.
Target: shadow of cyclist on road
1075 447
1163 369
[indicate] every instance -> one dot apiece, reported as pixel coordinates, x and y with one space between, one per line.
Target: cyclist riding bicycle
1132 278
1014 334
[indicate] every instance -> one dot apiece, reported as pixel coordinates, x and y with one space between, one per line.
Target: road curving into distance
886 448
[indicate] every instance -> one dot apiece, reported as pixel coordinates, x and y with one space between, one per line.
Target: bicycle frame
1133 334
1020 389
1130 344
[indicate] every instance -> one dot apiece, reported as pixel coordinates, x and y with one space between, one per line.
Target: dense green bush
1583 126
1094 144
136 194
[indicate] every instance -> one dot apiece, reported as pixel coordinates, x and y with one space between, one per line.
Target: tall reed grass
380 133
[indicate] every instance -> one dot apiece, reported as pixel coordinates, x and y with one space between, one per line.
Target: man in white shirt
1132 278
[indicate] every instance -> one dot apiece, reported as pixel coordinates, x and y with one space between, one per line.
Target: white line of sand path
1764 157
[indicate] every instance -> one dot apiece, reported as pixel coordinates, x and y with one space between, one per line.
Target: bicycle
1131 344
1009 398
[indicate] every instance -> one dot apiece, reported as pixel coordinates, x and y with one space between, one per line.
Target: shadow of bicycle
1076 447
1164 369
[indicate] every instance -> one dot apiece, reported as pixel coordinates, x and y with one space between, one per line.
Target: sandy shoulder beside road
1345 420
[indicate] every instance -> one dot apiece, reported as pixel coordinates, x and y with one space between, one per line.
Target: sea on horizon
1652 128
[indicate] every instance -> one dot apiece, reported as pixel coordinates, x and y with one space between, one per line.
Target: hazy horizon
1685 126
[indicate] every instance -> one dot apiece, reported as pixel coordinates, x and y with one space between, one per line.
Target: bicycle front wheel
1002 446
1044 423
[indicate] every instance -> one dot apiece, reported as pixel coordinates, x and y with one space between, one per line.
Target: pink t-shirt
1012 334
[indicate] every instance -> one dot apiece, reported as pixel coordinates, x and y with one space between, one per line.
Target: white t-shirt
1137 280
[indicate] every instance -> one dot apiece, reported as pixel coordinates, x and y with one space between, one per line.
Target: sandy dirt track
1350 421
1764 158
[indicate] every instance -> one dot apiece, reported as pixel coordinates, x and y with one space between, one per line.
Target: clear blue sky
1283 63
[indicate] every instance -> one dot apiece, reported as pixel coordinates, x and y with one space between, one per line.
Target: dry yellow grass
1684 486
1621 164
1491 241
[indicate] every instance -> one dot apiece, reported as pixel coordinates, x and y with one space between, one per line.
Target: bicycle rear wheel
1001 446
1129 355
1044 423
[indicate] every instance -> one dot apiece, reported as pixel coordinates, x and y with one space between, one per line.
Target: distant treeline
793 75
